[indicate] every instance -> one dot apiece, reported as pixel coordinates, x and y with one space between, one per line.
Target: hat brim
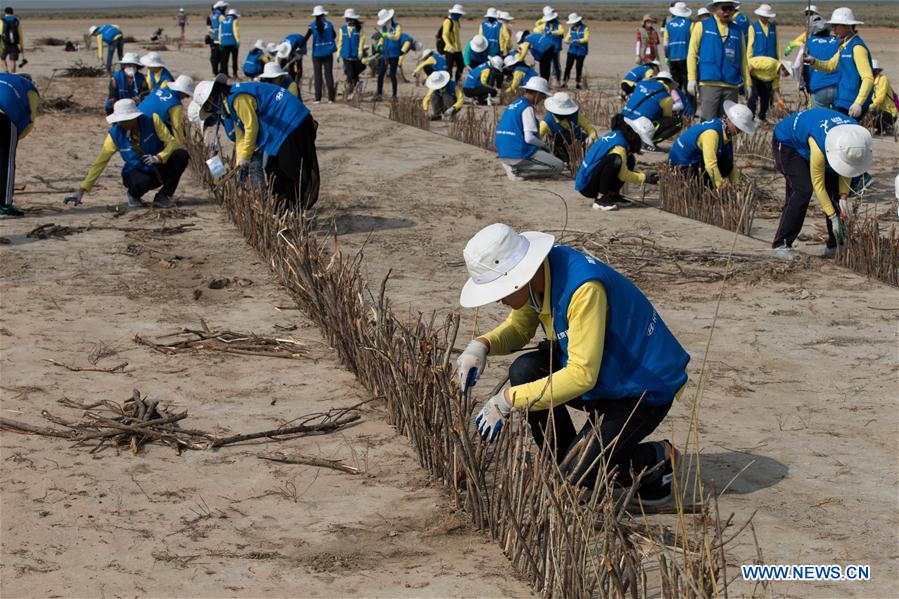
264 76
534 89
681 13
556 109
182 90
748 128
474 295
387 17
119 118
845 22
844 168
577 20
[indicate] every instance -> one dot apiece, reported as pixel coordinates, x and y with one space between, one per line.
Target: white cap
644 128
202 92
283 49
574 18
152 59
437 80
232 12
766 11
479 43
811 10
501 261
680 9
491 13
741 116
703 11
183 84
319 11
350 14
259 45
664 75
272 70
537 84
844 16
510 60
220 4
92 29
561 103
384 15
504 16
123 110
848 149
875 65
457 10
131 58
496 63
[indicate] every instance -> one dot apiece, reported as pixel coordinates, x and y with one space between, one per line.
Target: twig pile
408 111
79 69
750 149
869 252
50 230
66 105
247 344
730 207
475 127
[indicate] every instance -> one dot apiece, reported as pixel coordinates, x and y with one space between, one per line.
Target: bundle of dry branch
870 252
598 106
754 149
475 127
79 69
66 105
729 207
408 111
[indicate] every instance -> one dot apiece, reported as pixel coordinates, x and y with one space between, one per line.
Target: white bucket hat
501 261
92 30
537 84
283 49
741 116
714 2
272 70
384 15
510 60
479 43
644 128
491 13
664 75
561 103
271 47
350 14
550 16
812 10
766 11
183 84
220 4
232 12
123 110
519 35
319 11
787 67
680 9
844 16
457 10
496 63
548 10
202 92
702 12
259 45
574 18
437 80
152 59
848 149
504 16
131 58
426 53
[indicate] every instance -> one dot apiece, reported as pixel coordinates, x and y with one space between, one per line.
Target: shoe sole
605 208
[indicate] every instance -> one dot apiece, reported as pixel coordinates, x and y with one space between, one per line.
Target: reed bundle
729 207
599 106
80 69
870 252
475 127
408 111
749 150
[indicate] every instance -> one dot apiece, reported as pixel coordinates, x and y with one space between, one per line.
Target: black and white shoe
607 202
659 491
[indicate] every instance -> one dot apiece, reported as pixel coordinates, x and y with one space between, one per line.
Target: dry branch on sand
407 110
63 105
729 207
80 69
868 251
247 344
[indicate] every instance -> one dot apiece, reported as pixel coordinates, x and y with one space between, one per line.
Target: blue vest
124 90
491 31
349 43
556 128
575 46
149 143
646 100
720 61
279 113
764 45
286 82
214 22
742 23
555 40
475 59
850 80
324 41
254 63
11 30
594 156
108 33
822 48
641 358
678 30
510 132
473 78
528 73
297 43
795 130
226 32
160 102
14 100
540 43
686 152
637 73
392 48
155 82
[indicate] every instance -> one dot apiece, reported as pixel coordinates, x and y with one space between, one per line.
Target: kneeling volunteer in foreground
275 121
607 348
151 155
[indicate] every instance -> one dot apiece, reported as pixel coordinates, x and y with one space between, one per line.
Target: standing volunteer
817 150
229 42
127 82
518 145
652 99
550 27
110 38
324 45
505 40
822 87
607 352
764 65
494 32
12 39
166 103
182 21
647 47
564 125
483 83
351 45
18 111
578 39
451 35
676 38
391 34
444 97
212 34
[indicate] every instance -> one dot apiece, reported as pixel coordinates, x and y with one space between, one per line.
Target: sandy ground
802 368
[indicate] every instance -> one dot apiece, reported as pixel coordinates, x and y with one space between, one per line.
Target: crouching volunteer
127 82
151 155
817 150
610 162
607 352
275 121
564 124
444 97
518 146
652 99
276 75
255 60
166 103
482 84
707 150
637 74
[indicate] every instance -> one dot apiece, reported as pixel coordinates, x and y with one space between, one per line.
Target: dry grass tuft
730 207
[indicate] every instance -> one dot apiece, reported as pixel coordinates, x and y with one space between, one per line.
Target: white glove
75 198
490 420
470 365
448 113
747 90
855 111
844 209
693 88
150 159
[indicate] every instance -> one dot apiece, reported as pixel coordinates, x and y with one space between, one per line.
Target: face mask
130 71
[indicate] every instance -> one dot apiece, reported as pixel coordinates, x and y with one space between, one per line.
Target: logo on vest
652 324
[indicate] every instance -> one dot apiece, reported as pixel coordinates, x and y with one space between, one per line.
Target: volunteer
564 125
822 87
676 38
290 52
229 42
647 48
647 70
212 34
578 38
883 107
519 148
554 32
255 60
157 75
273 73
810 14
351 45
18 111
182 21
429 62
542 48
652 99
110 37
444 97
166 102
505 40
764 66
127 82
324 45
475 53
483 83
12 40
494 32
451 35
517 72
391 32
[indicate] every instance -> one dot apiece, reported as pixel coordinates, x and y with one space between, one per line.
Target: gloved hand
747 90
855 111
74 199
243 169
150 159
448 113
839 228
652 178
470 364
693 88
844 209
788 50
490 420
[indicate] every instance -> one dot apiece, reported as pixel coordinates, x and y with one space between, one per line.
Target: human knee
527 368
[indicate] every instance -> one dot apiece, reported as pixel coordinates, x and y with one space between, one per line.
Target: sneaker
577 86
511 174
133 202
607 202
162 201
10 212
330 101
784 252
659 491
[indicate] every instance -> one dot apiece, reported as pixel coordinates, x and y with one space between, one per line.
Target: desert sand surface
799 402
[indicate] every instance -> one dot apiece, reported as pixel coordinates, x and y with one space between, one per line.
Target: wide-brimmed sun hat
202 91
741 116
220 4
501 261
680 9
648 17
271 48
666 75
92 29
715 2
183 84
131 58
505 16
123 110
152 59
702 12
496 63
272 70
283 49
456 10
644 128
319 11
574 18
849 150
479 43
259 44
561 103
875 65
350 14
491 13
811 10
232 12
766 11
510 60
537 84
844 16
384 15
193 113
437 80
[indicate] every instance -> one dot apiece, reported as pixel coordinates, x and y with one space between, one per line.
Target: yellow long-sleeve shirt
33 100
696 34
245 136
708 143
100 43
429 61
817 166
177 128
515 81
765 68
751 41
558 30
883 95
862 60
360 50
625 174
109 149
505 40
582 40
522 52
582 121
451 35
457 105
587 314
404 51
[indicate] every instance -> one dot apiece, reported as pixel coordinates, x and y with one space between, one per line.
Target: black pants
9 140
214 58
799 190
294 171
607 419
667 127
167 176
225 53
557 64
454 59
725 166
604 179
627 88
679 74
546 63
560 143
883 122
479 94
385 65
352 69
578 63
760 98
323 68
846 112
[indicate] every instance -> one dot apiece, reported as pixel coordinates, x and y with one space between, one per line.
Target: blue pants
824 97
116 47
